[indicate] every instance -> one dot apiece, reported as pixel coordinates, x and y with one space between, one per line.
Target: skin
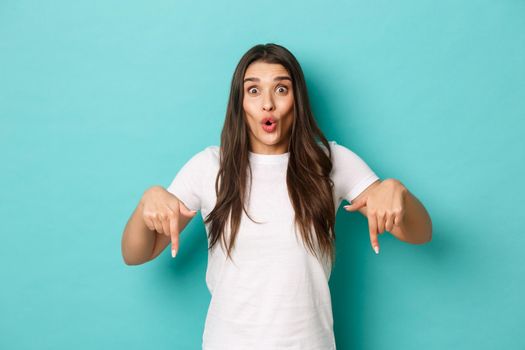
266 95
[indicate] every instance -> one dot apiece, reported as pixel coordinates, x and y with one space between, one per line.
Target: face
268 94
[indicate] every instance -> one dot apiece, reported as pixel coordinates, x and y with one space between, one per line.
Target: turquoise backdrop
99 100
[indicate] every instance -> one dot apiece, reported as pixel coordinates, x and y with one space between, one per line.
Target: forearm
416 225
137 240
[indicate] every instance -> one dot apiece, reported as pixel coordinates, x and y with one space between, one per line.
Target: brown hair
308 173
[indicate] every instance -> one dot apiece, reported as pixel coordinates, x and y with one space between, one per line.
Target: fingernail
376 248
173 253
346 206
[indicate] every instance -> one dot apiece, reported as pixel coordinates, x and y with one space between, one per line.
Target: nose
268 102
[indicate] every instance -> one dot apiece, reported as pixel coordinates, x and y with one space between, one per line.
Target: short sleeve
187 184
350 173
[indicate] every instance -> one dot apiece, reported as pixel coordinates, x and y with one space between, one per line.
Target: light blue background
100 100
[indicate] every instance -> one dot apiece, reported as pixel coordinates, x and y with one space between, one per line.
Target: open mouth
269 125
268 121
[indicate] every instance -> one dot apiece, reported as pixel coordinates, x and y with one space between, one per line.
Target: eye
283 87
250 89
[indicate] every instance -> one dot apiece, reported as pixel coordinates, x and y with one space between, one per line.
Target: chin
271 140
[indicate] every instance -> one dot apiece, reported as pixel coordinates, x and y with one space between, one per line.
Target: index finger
372 227
174 233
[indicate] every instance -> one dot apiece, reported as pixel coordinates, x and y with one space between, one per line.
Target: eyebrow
283 77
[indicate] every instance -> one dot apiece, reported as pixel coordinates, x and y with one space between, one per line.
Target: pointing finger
372 226
174 233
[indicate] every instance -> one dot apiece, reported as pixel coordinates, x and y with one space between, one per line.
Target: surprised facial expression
268 105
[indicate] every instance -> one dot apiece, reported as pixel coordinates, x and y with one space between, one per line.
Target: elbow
426 240
132 262
413 236
130 255
429 237
128 262
423 238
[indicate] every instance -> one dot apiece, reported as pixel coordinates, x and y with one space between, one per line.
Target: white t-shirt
275 293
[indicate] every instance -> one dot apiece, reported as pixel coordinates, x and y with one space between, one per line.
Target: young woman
268 196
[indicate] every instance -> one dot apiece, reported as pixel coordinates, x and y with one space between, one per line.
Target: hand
385 208
162 212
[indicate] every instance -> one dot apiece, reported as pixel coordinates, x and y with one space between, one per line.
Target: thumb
356 205
187 212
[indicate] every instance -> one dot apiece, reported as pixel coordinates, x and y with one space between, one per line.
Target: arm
137 240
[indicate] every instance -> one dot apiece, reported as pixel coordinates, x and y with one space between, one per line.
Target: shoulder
211 152
323 147
207 153
338 151
202 158
213 149
348 163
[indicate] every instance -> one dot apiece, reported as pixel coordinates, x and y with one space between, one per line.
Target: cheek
287 103
288 108
248 108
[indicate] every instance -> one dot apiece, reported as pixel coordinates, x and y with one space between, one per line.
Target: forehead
265 71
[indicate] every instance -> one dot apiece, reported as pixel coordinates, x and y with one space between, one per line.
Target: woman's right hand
162 212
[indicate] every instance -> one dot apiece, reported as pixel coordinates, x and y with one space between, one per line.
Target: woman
268 196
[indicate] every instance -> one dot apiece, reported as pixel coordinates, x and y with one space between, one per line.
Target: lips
268 119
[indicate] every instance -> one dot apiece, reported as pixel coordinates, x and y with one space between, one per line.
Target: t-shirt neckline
260 158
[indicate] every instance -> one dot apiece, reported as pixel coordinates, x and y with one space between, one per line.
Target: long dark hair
309 166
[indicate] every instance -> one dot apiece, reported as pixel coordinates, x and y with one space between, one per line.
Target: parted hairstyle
308 173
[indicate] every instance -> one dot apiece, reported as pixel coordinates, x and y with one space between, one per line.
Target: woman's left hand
385 208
